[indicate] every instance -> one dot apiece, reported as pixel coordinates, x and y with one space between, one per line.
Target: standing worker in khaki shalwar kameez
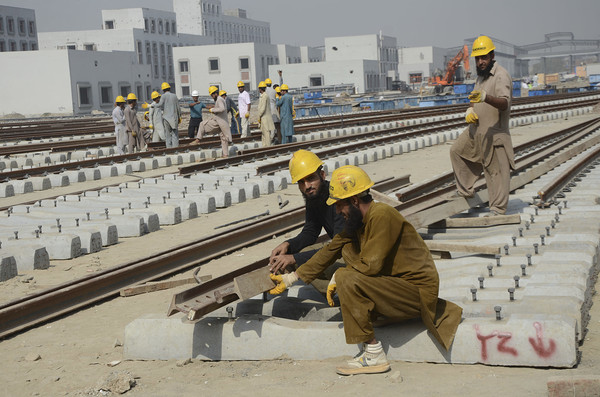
132 124
486 145
389 272
264 116
218 123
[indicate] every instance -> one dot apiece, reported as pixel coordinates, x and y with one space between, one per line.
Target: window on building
109 25
10 25
316 81
1 24
106 96
140 52
163 60
170 60
155 59
88 47
32 28
145 24
183 66
13 45
185 90
71 46
173 27
2 46
125 90
244 63
33 46
152 25
167 27
24 46
139 92
213 64
22 30
148 53
85 94
160 26
415 77
148 91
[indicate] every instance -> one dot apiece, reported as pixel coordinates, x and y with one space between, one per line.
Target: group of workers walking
387 272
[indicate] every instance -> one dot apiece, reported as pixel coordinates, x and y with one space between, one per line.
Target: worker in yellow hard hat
306 169
485 146
118 116
218 123
265 117
244 108
169 104
272 94
156 119
285 104
233 110
389 272
134 132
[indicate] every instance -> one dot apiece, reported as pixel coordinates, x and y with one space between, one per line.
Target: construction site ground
75 355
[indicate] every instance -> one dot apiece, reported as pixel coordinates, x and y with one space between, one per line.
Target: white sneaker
372 360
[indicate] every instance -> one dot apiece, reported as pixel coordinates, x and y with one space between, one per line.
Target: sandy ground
75 350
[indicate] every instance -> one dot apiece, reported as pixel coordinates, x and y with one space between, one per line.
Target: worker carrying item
389 272
306 169
218 123
486 144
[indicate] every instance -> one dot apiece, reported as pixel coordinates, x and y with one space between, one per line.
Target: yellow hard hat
268 81
165 86
303 163
131 97
347 181
241 84
284 87
277 89
146 115
212 89
262 84
222 92
482 46
120 99
154 95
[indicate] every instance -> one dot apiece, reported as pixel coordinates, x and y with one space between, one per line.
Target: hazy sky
441 23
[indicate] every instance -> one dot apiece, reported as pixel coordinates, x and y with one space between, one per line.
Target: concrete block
8 267
58 245
123 168
574 386
6 189
32 256
138 166
163 161
108 234
22 186
107 171
75 176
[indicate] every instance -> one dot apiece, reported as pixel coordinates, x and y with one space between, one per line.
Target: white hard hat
195 93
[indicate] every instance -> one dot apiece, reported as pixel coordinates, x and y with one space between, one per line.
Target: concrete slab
8 266
29 257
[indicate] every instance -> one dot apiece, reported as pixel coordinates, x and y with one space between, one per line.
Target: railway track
422 209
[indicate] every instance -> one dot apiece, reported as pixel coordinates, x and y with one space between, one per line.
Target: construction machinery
447 79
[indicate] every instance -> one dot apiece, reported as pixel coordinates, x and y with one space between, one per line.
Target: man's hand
471 117
331 289
280 262
477 96
210 110
247 115
284 281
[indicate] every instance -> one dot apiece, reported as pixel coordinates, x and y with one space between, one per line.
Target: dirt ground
76 350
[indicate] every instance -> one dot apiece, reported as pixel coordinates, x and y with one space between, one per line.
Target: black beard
353 225
321 196
486 72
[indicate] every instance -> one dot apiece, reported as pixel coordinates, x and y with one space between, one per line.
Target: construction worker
118 116
286 113
134 131
233 109
169 104
486 144
274 110
244 109
156 118
389 272
265 119
306 169
218 123
195 114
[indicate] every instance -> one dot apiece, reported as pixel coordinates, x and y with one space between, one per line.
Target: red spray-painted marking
538 343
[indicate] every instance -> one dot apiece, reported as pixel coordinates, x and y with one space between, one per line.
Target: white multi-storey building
18 29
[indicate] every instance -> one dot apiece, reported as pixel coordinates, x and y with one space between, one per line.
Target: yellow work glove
151 126
210 110
247 115
236 113
144 105
284 281
331 289
477 96
471 117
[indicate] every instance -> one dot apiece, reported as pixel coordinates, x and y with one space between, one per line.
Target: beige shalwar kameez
266 119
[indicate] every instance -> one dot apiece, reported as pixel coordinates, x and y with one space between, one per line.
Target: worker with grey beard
486 144
306 169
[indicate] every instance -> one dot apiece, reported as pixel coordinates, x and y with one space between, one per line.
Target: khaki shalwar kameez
266 119
393 275
486 146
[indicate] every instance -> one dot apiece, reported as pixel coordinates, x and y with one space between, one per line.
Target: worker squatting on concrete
389 272
274 110
265 119
169 104
244 109
135 138
232 108
486 145
286 113
118 116
195 114
306 169
156 119
218 123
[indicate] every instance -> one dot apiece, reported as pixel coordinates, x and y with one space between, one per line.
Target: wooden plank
160 285
251 284
461 247
478 221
